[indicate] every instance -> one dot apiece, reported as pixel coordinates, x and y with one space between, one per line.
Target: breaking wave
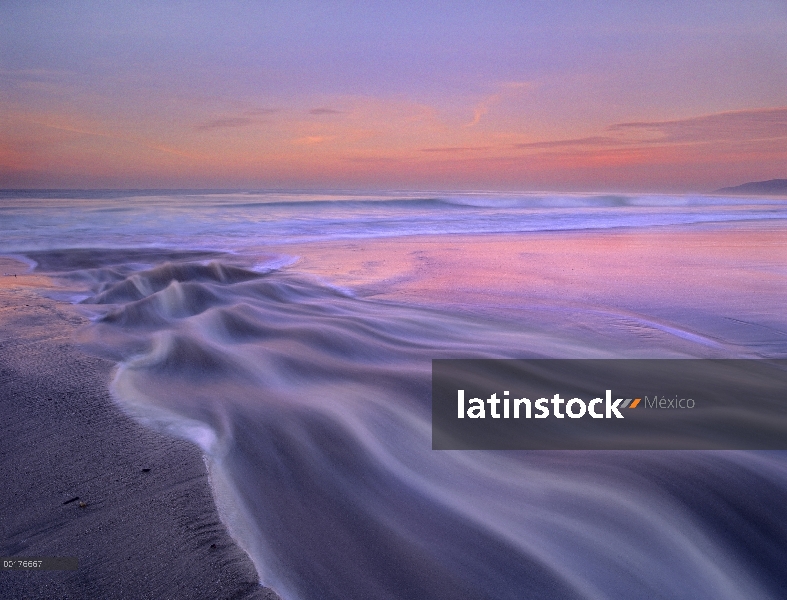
35 220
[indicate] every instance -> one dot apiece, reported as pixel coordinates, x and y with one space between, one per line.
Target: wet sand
679 265
719 281
145 524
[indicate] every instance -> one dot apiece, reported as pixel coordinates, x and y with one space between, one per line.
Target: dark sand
141 534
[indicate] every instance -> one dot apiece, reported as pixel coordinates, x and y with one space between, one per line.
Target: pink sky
528 96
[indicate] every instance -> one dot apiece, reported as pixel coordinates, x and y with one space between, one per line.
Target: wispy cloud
507 88
373 159
733 127
261 112
574 143
120 138
482 108
225 123
325 111
240 119
310 140
739 125
456 149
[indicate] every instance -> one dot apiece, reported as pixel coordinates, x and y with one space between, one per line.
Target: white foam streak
312 408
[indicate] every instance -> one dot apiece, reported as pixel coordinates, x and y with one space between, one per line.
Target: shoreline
167 516
145 524
720 280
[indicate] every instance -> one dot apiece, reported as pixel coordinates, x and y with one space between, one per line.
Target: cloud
507 89
482 108
325 111
310 140
755 125
739 125
229 122
455 149
261 112
579 142
109 136
373 159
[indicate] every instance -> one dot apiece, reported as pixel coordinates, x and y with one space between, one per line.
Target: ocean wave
231 222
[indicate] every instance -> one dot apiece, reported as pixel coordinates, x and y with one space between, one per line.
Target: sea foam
312 408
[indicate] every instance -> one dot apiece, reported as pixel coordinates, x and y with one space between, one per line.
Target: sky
566 96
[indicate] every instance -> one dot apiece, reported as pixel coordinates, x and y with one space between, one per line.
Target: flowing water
311 400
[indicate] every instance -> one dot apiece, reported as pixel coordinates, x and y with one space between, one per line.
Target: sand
149 526
719 281
625 267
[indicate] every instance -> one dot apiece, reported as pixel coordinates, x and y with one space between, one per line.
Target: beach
276 383
83 479
360 301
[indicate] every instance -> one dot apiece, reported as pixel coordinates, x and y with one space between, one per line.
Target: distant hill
772 187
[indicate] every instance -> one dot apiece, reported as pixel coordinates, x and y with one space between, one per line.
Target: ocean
233 221
290 336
